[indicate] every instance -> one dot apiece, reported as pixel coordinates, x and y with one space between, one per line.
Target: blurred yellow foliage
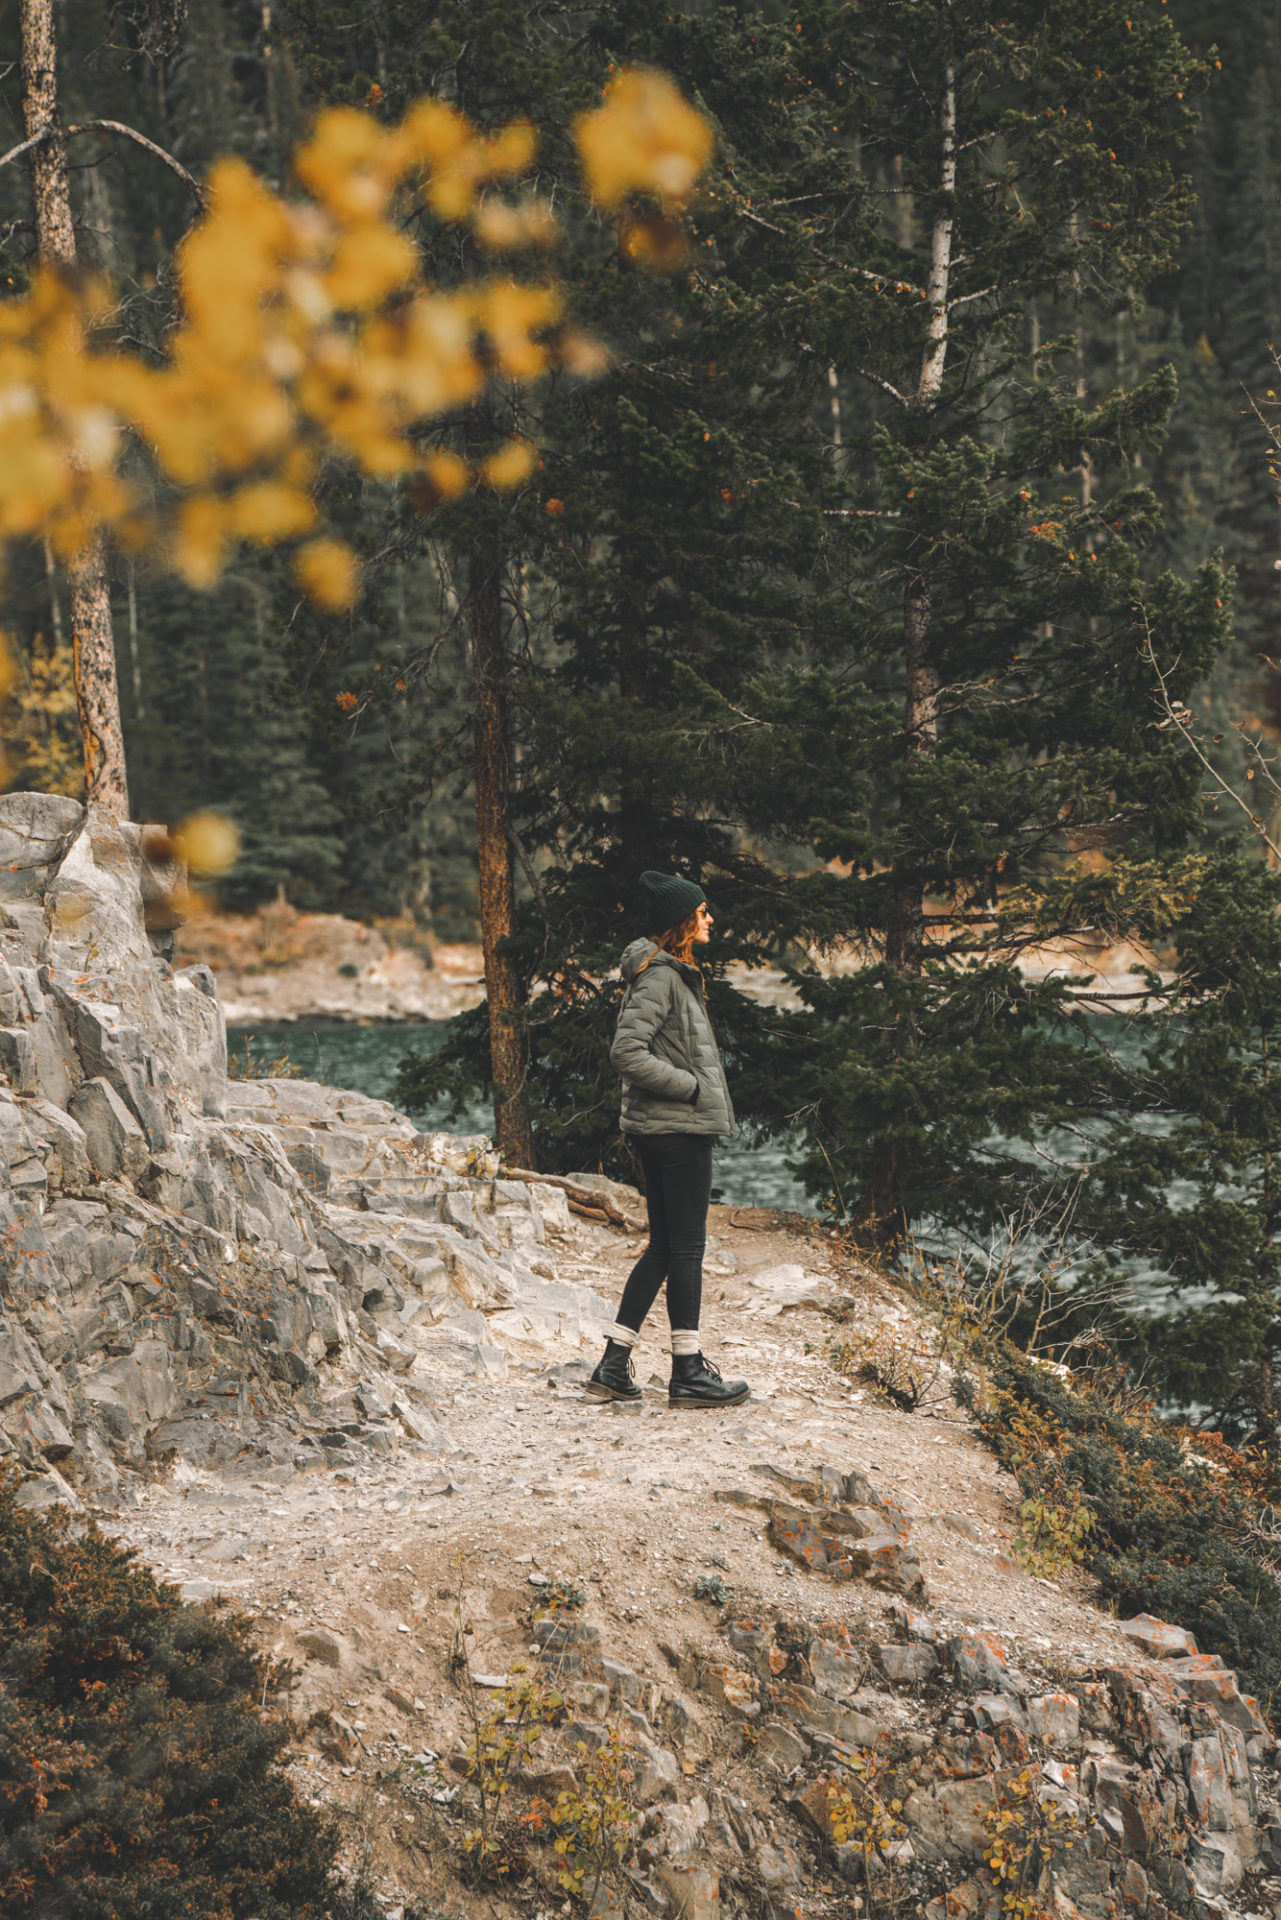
307 331
42 731
326 571
207 842
644 138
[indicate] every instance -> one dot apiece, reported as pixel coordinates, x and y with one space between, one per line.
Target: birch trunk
905 933
92 639
512 1131
905 921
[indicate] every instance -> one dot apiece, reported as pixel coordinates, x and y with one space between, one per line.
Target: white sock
621 1335
684 1343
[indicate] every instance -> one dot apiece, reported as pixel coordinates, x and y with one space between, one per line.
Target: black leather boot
695 1382
614 1378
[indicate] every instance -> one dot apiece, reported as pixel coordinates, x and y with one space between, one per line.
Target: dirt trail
363 1577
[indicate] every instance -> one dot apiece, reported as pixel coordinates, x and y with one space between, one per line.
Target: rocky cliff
217 1272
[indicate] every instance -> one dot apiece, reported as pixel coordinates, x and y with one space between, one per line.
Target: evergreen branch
865 373
1175 712
1013 700
963 299
768 225
878 280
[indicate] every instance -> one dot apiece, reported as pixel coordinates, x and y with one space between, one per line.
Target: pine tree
861 649
988 735
1184 1187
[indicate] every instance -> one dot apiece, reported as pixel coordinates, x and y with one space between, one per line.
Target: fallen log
584 1201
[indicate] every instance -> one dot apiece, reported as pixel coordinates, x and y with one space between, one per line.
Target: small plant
860 1813
248 1065
593 1821
904 1367
1024 1831
1051 1538
559 1596
710 1586
501 1747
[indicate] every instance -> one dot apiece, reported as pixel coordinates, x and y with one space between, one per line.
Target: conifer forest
879 524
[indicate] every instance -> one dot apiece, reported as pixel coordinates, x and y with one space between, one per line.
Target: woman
675 1104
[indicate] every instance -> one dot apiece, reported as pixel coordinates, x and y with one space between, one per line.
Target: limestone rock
694 1888
979 1664
1157 1637
116 1144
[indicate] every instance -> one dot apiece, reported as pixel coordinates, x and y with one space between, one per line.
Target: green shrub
1178 1517
141 1777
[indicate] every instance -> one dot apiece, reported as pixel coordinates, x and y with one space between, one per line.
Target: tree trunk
905 920
97 696
494 849
635 798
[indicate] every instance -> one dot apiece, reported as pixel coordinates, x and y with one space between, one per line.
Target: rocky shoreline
283 967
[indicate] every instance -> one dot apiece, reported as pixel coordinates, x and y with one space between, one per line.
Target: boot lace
709 1366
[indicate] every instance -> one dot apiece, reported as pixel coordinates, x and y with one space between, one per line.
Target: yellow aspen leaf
584 355
510 315
452 182
345 163
448 472
439 368
199 540
432 133
507 467
267 512
659 245
371 261
328 573
503 227
645 137
207 842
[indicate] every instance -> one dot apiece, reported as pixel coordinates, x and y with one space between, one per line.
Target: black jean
678 1191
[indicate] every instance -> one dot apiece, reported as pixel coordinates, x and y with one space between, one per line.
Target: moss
141 1771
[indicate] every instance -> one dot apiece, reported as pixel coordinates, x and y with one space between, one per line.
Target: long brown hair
679 942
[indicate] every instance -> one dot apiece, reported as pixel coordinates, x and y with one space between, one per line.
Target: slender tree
97 693
487 620
97 696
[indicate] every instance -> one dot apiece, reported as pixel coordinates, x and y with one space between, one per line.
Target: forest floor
387 1586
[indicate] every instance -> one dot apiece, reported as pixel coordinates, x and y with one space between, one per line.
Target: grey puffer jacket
664 1047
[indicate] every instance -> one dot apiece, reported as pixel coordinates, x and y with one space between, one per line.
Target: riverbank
279 966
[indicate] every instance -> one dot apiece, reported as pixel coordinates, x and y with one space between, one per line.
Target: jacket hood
635 954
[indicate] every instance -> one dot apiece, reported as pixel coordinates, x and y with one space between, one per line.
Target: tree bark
905 930
635 798
494 849
97 695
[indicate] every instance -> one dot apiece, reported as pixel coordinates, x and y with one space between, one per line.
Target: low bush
141 1770
1180 1523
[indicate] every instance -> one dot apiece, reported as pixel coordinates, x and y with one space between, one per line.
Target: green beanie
666 900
